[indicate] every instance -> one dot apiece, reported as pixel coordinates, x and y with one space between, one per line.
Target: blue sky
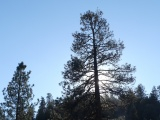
39 33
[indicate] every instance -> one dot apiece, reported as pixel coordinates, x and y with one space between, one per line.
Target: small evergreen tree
49 107
140 91
154 95
42 110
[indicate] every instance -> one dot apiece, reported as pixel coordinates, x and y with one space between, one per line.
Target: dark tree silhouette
42 110
94 68
140 91
18 95
139 106
128 100
49 107
46 109
2 114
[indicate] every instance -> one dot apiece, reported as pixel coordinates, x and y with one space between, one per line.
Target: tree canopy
94 68
18 95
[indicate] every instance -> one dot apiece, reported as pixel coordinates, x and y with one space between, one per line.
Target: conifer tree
2 114
18 95
140 91
49 107
42 110
94 67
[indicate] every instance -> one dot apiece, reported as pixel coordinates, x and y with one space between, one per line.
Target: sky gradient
39 33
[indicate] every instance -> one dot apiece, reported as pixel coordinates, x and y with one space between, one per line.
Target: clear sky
39 33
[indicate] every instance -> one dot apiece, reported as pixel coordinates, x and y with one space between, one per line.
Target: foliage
140 91
2 114
94 68
139 106
49 107
42 109
46 109
18 95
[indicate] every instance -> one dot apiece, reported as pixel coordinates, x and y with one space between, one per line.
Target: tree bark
97 93
18 100
17 107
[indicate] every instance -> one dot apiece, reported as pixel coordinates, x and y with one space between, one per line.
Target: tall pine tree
94 67
18 95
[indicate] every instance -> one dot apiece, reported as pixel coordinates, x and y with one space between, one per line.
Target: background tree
154 95
18 95
42 110
152 106
141 99
46 109
49 107
79 108
128 99
140 91
110 107
95 68
2 114
139 106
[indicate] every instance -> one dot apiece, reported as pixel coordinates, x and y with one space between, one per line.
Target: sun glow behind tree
94 69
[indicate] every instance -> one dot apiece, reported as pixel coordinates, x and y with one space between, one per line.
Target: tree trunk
97 93
18 101
17 107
